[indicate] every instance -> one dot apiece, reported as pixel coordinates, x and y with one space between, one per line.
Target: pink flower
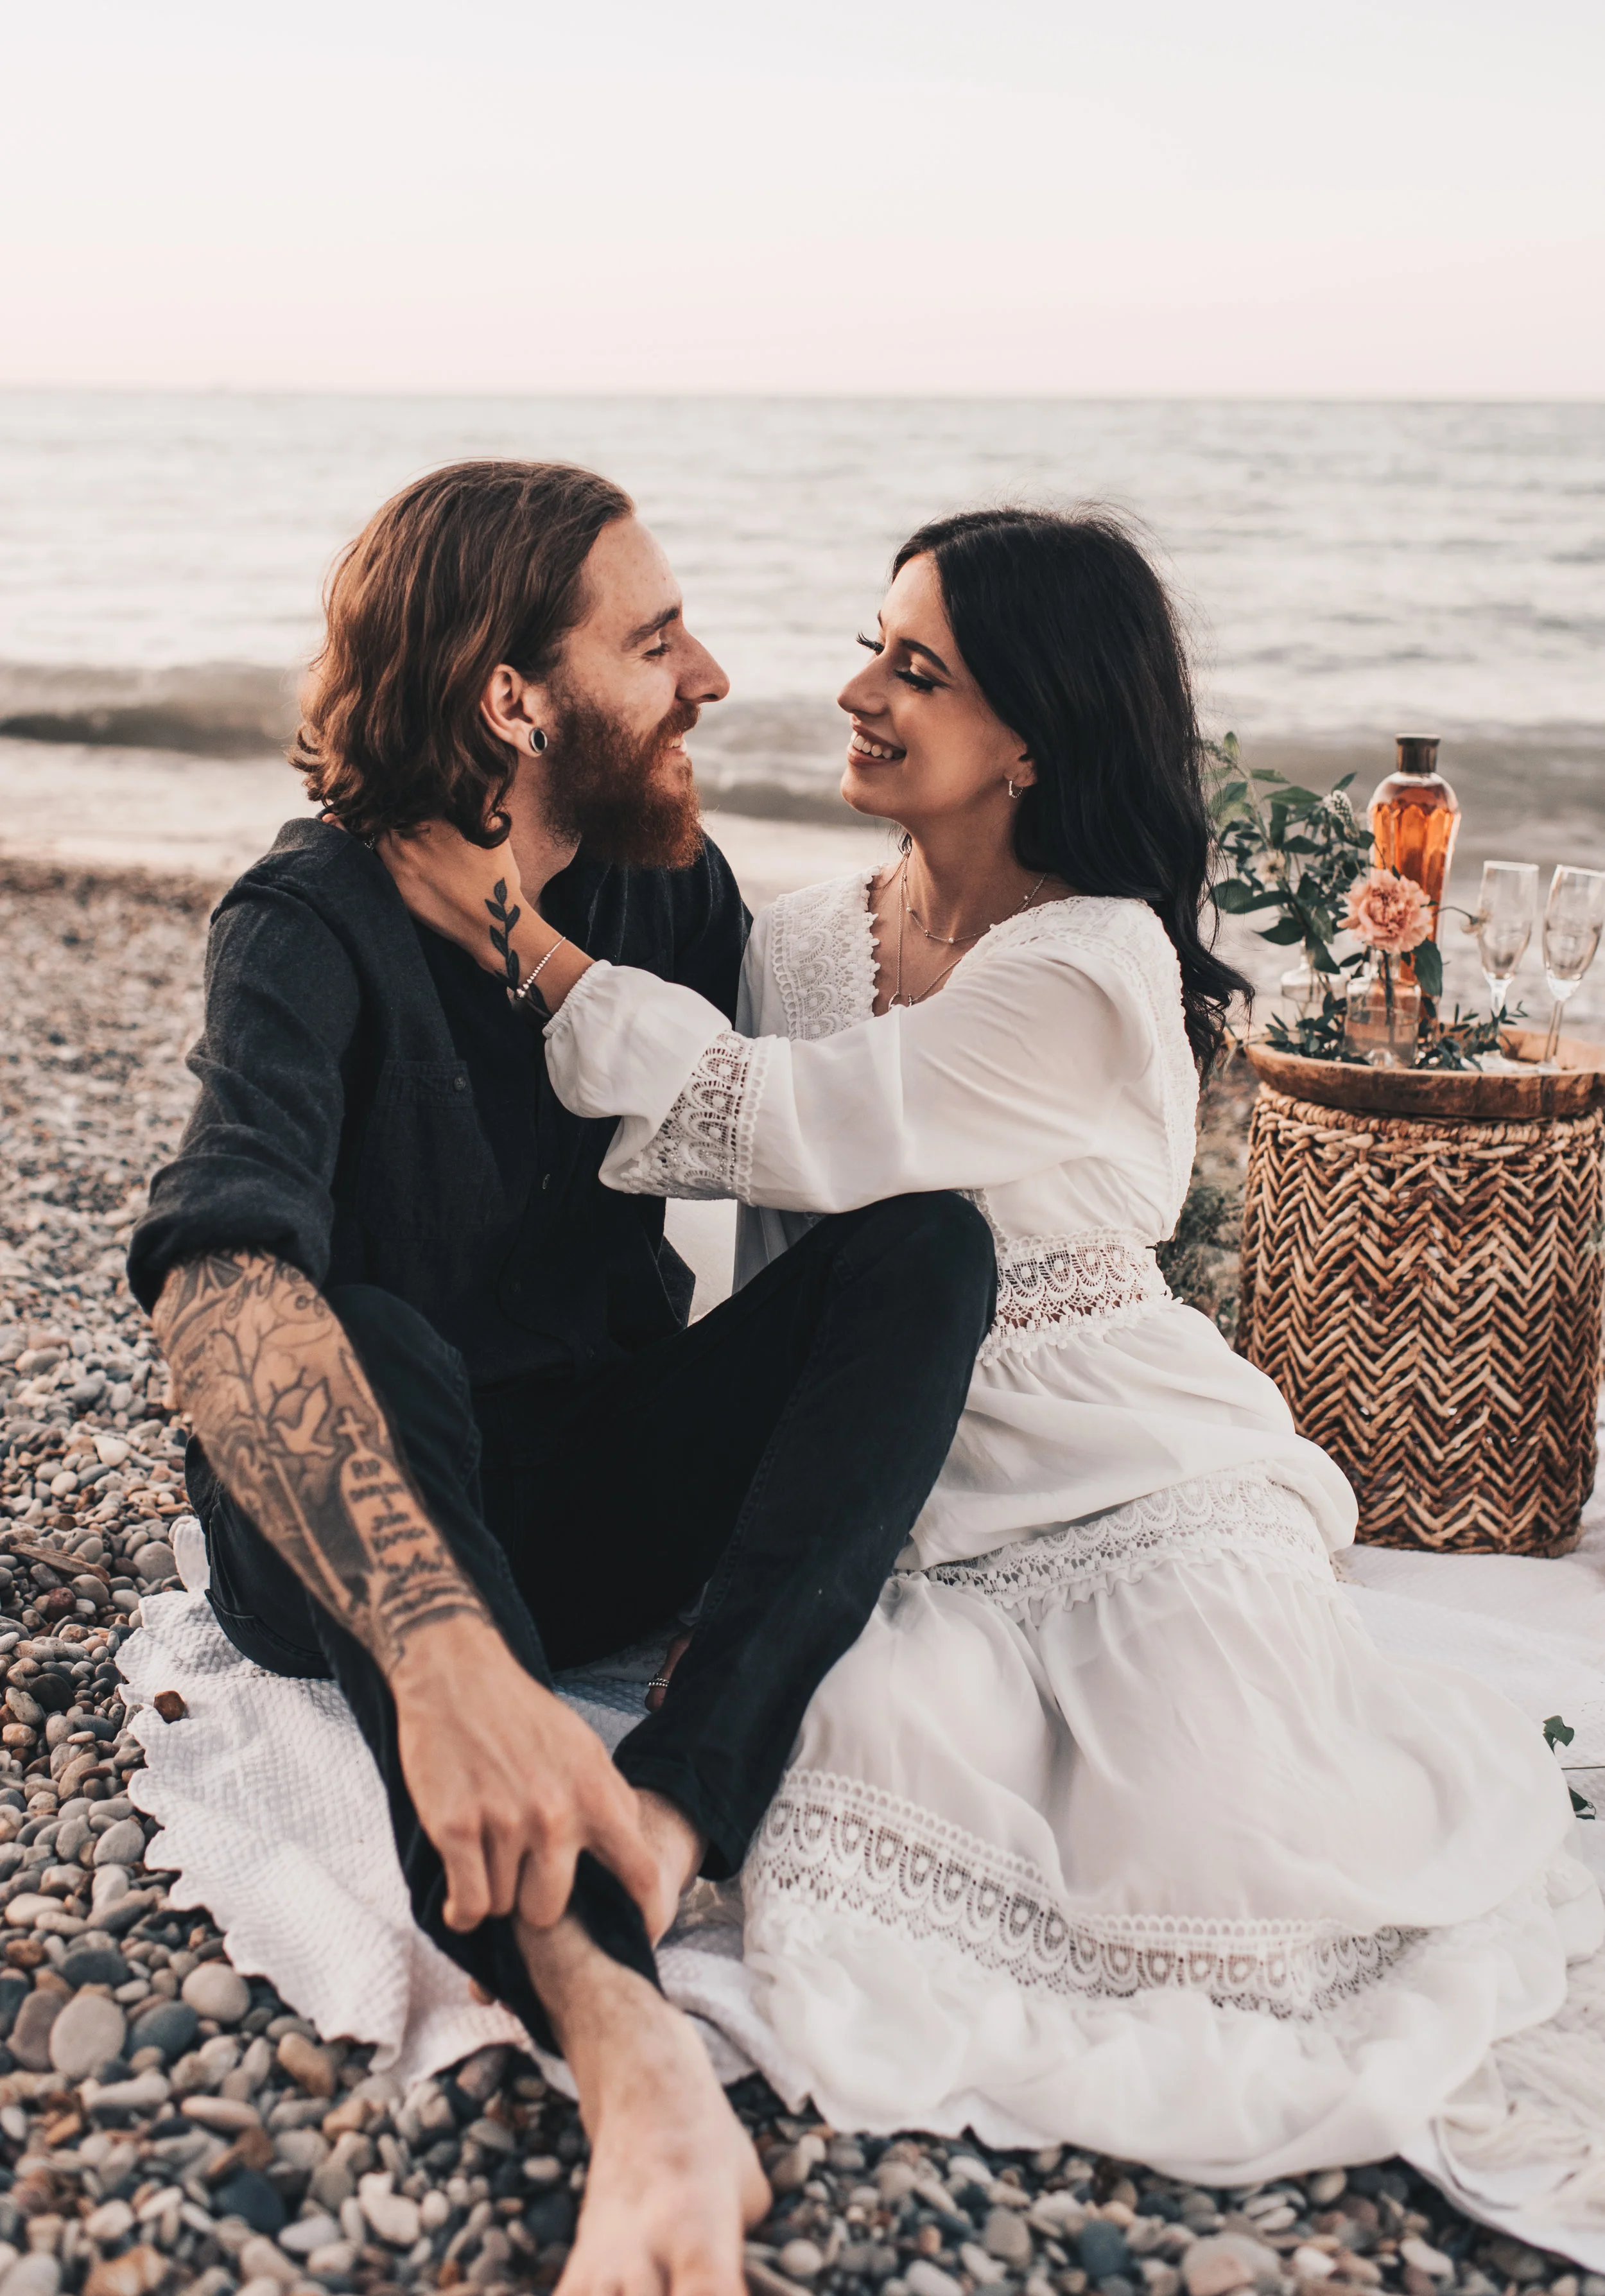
1388 913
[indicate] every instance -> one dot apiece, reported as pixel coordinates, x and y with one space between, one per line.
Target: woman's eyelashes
909 676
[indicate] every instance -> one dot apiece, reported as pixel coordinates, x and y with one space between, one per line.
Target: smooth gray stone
94 1964
30 2041
170 2026
122 1844
88 2031
214 1990
1101 2249
32 2275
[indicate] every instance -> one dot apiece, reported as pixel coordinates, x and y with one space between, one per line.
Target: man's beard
604 787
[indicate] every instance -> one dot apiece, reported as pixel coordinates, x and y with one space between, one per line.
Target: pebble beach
168 2122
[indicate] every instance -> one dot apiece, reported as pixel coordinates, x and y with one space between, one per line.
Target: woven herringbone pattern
1427 1297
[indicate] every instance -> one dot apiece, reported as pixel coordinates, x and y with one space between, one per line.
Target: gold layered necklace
961 941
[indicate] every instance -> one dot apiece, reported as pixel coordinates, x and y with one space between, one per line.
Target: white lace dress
1113 1826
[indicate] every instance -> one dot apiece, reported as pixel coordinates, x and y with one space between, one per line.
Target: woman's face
926 746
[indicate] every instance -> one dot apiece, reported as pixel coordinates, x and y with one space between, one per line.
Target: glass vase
1381 1017
1303 989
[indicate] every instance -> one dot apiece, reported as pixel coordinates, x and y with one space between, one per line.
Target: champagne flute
1573 920
1504 923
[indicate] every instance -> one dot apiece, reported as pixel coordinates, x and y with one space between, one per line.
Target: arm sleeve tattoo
293 1430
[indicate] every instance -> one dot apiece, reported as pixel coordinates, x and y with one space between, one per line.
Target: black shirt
372 1111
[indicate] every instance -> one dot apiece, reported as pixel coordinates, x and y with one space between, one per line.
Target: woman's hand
475 898
461 890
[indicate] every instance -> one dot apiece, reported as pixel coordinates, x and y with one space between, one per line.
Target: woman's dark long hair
1070 633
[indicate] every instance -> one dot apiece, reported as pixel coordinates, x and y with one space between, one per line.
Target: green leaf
1264 774
1284 935
1295 798
1236 897
1428 963
1557 1732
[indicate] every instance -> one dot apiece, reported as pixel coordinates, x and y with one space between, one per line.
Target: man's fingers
546 1883
467 1884
504 1858
616 1839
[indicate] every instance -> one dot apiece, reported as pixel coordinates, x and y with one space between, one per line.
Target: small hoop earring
1012 791
537 738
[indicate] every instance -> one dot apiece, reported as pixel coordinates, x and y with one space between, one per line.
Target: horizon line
775 396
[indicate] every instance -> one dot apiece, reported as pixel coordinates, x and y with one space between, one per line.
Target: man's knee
945 1252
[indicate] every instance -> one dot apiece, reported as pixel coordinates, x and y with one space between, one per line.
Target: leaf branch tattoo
298 1437
502 942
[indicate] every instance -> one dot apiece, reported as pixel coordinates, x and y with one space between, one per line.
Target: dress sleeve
1020 1064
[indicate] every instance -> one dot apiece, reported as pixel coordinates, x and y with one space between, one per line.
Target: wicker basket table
1425 1290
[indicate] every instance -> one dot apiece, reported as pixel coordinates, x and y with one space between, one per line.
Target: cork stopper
1418 753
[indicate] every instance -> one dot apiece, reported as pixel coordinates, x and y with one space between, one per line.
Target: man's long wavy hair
476 564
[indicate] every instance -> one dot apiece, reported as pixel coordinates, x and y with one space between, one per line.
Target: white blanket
275 1818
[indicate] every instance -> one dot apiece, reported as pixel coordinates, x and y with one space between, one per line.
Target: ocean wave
779 760
210 710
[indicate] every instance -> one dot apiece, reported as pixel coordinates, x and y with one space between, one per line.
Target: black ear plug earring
537 738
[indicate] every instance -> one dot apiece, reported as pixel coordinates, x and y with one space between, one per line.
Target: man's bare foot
673 2181
679 1849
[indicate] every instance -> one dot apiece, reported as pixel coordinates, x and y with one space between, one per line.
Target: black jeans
776 1453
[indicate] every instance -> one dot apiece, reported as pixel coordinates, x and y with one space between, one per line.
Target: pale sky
1309 198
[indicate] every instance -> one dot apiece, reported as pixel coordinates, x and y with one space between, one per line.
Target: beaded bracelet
518 997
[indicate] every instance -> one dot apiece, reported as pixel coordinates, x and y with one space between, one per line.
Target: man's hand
509 1785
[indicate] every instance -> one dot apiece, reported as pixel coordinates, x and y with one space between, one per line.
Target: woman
1113 1826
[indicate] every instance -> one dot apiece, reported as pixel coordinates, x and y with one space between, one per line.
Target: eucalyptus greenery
1298 852
1295 852
1457 1044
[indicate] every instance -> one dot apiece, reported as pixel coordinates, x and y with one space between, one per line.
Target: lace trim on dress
1202 1521
1048 1285
836 1845
703 1147
824 956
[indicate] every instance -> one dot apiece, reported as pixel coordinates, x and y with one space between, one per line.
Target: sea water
1346 571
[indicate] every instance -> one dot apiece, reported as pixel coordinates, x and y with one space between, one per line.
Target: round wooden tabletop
1571 1089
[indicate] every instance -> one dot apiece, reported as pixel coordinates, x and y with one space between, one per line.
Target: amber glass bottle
1414 820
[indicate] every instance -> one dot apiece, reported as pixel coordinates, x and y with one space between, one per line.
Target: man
451 1431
